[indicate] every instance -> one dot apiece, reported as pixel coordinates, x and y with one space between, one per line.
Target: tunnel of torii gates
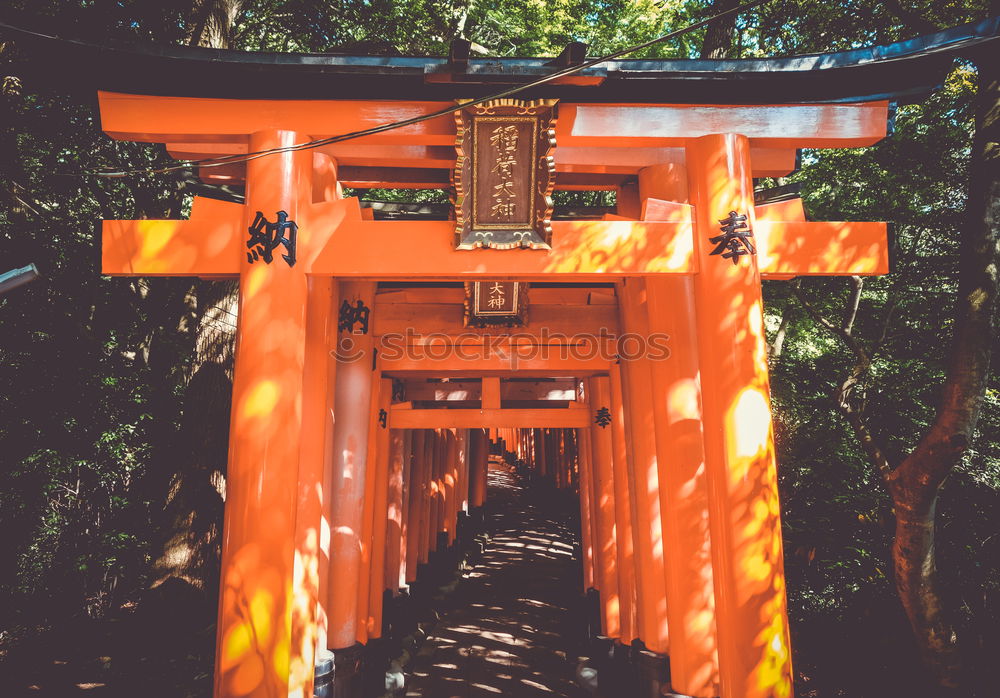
377 360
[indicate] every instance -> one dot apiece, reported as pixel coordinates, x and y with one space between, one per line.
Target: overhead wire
569 70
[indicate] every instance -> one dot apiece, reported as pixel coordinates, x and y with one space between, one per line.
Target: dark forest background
114 392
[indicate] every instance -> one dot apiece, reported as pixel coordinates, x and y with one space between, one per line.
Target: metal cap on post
17 277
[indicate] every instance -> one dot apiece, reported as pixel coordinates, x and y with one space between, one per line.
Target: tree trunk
916 483
719 35
190 464
212 23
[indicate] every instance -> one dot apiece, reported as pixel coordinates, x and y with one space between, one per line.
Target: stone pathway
509 628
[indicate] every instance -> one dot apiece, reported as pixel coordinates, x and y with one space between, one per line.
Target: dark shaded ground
510 626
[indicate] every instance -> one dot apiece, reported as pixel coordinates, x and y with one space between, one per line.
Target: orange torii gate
338 488
279 492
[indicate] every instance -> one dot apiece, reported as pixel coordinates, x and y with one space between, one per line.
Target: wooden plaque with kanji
504 174
496 304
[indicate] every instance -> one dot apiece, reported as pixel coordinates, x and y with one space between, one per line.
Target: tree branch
855 416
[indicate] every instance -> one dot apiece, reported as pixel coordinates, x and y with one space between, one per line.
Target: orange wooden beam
207 243
767 162
526 360
555 418
195 119
212 243
387 249
821 248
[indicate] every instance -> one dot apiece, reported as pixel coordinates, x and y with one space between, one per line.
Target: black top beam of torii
903 71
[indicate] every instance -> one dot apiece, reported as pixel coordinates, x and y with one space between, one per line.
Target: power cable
569 70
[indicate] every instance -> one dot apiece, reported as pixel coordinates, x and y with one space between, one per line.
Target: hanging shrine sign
496 304
504 174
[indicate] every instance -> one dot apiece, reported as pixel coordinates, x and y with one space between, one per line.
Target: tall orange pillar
462 486
449 482
676 389
414 507
438 489
541 453
428 522
368 516
624 502
254 651
380 520
312 548
604 497
751 613
477 474
648 530
400 441
590 559
352 407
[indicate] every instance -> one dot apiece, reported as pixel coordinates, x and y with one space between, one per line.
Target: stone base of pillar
652 669
376 661
463 530
347 680
592 609
323 676
600 650
402 615
618 678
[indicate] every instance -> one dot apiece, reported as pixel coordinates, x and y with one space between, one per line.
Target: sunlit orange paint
309 509
628 593
311 555
381 512
647 529
414 510
604 494
396 525
254 643
352 410
754 659
683 491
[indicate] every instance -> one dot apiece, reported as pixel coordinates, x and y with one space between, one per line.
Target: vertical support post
395 543
687 550
541 452
477 448
751 612
254 651
462 485
648 531
383 455
450 484
604 495
586 526
312 547
427 517
352 406
491 393
624 502
414 507
437 488
368 520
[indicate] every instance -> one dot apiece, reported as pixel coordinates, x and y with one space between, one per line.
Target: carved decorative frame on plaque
496 304
504 174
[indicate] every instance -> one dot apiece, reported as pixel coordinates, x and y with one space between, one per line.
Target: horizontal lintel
556 418
199 119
